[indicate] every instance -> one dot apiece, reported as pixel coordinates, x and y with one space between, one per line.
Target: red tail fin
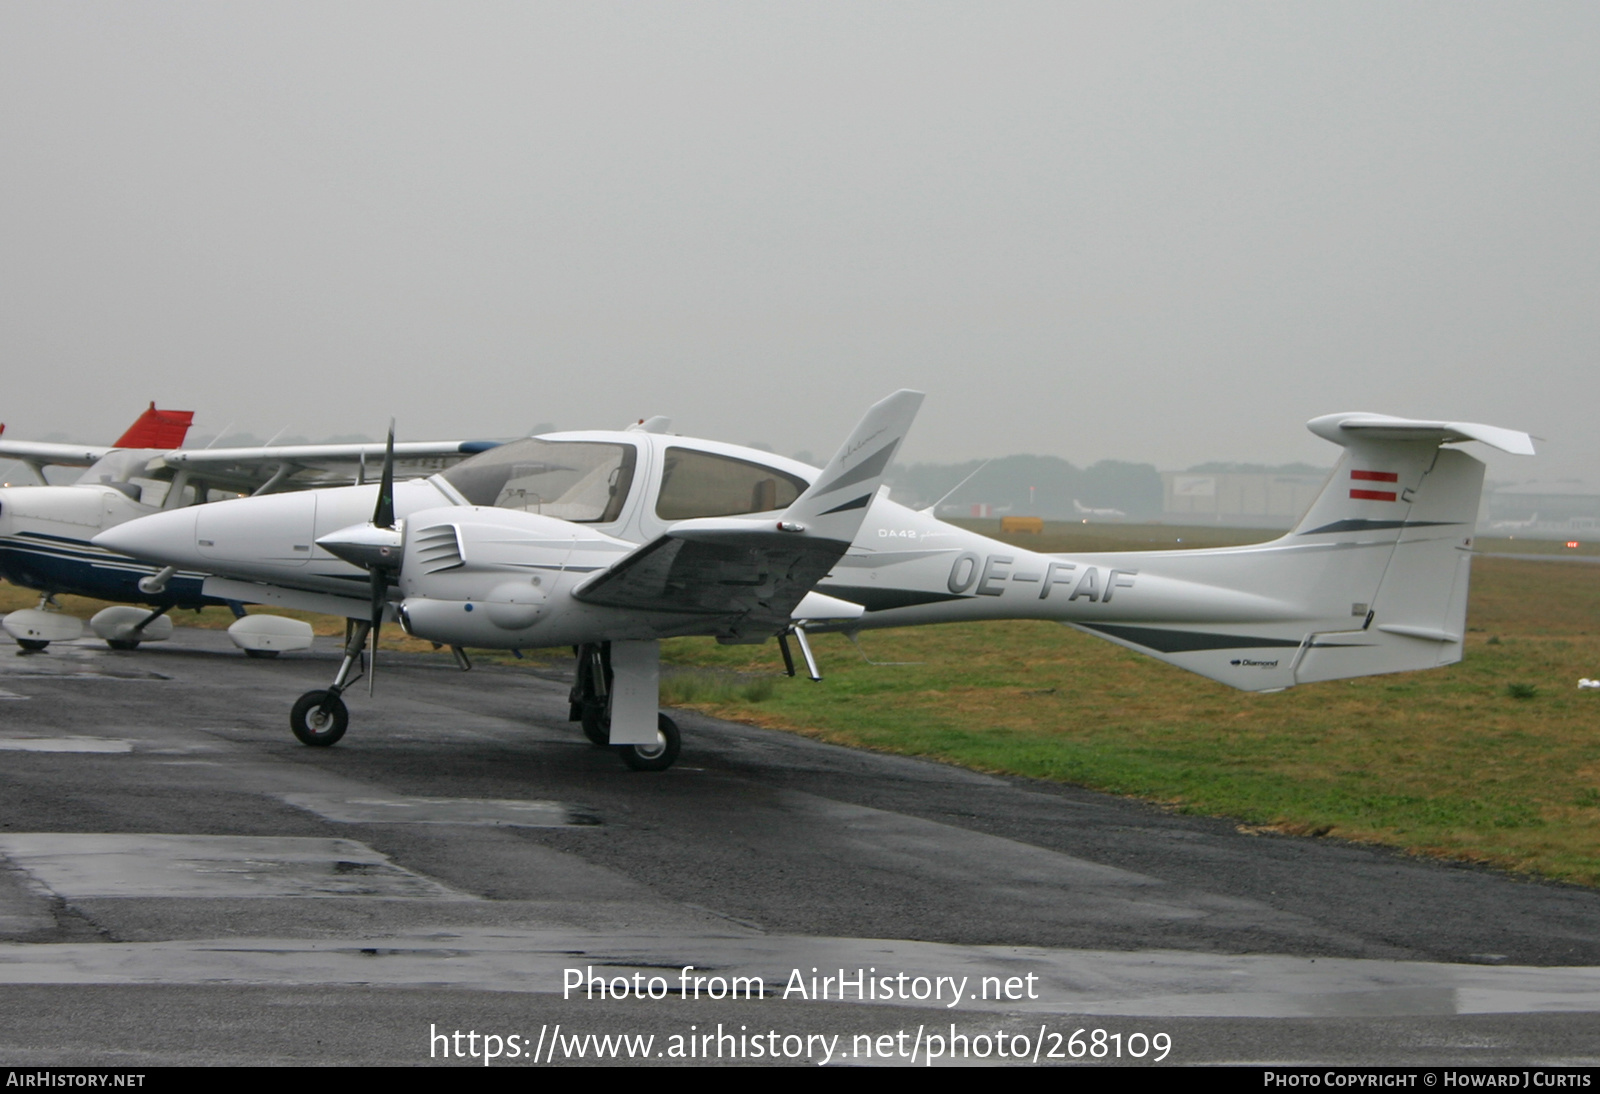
157 429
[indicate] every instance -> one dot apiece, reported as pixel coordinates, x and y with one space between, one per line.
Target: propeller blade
383 515
380 586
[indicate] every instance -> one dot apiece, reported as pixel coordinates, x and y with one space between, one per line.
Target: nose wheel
319 718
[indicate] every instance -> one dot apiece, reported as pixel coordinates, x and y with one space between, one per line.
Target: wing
746 576
45 454
304 466
151 429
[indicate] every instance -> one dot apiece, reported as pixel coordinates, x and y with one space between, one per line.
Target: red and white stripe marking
1373 476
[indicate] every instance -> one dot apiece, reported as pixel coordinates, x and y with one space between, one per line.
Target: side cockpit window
703 484
582 481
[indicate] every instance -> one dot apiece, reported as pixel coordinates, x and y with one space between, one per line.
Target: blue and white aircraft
46 531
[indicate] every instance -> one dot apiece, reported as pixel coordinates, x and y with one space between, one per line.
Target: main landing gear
320 718
590 701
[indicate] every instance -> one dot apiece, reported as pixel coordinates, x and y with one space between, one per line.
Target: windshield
583 481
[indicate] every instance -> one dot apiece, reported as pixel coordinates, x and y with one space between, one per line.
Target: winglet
836 502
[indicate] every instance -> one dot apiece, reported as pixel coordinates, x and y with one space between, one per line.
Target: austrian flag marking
1374 476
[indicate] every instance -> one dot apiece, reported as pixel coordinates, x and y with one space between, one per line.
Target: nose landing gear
319 718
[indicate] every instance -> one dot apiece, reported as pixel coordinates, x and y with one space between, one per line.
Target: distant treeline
1135 488
1220 467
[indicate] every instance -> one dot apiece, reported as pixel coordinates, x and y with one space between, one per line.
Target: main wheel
261 653
123 643
319 719
596 722
659 756
32 645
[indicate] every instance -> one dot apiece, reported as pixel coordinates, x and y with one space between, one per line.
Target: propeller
382 517
374 545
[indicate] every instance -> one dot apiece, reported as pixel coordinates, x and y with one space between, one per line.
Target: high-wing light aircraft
610 541
45 530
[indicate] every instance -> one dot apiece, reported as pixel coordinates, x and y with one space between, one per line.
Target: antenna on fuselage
930 509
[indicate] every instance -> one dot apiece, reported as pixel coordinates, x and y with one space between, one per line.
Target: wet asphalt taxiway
182 882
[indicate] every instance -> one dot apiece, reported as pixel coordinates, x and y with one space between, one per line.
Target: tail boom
1373 580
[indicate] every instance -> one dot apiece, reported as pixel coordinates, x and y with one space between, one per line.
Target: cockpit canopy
582 481
588 481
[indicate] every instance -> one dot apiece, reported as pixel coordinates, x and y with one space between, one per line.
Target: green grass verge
1496 759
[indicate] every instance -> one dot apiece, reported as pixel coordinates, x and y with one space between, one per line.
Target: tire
658 757
596 722
32 645
123 643
261 653
315 726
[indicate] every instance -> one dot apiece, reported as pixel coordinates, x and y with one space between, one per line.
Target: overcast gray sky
1157 232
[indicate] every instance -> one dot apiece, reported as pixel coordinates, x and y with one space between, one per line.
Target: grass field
1496 759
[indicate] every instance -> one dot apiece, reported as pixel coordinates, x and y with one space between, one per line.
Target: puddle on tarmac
64 744
80 865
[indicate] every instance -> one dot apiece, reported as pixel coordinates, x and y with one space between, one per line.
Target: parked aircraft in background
1086 513
151 429
611 541
1513 525
45 530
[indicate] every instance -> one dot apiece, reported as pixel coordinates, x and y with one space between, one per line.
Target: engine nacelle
487 577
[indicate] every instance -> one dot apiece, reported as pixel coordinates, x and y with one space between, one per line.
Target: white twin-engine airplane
45 530
611 541
1084 512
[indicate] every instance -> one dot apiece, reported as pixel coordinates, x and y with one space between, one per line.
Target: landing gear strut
319 718
135 634
591 693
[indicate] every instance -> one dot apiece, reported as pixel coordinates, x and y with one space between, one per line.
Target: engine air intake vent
438 548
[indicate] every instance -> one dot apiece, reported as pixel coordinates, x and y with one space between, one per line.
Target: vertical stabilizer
834 505
1372 580
157 429
1417 617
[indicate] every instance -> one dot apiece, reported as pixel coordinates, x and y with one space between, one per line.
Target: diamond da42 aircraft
611 541
45 529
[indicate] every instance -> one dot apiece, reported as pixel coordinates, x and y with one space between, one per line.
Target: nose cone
365 545
164 538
